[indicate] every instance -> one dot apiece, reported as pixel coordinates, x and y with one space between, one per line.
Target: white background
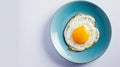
24 34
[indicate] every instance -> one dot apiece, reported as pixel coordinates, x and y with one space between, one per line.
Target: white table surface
24 34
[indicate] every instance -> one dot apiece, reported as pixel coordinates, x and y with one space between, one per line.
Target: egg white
81 20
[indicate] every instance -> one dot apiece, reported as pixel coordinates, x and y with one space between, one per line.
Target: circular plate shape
61 18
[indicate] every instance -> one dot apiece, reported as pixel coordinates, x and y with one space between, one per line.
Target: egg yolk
80 35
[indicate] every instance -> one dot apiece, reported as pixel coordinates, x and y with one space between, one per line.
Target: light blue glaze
64 14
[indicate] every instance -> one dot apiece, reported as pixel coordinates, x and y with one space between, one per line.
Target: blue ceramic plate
64 14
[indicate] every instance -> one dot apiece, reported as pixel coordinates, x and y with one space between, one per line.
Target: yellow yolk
80 35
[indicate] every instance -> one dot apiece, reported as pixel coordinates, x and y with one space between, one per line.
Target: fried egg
81 32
